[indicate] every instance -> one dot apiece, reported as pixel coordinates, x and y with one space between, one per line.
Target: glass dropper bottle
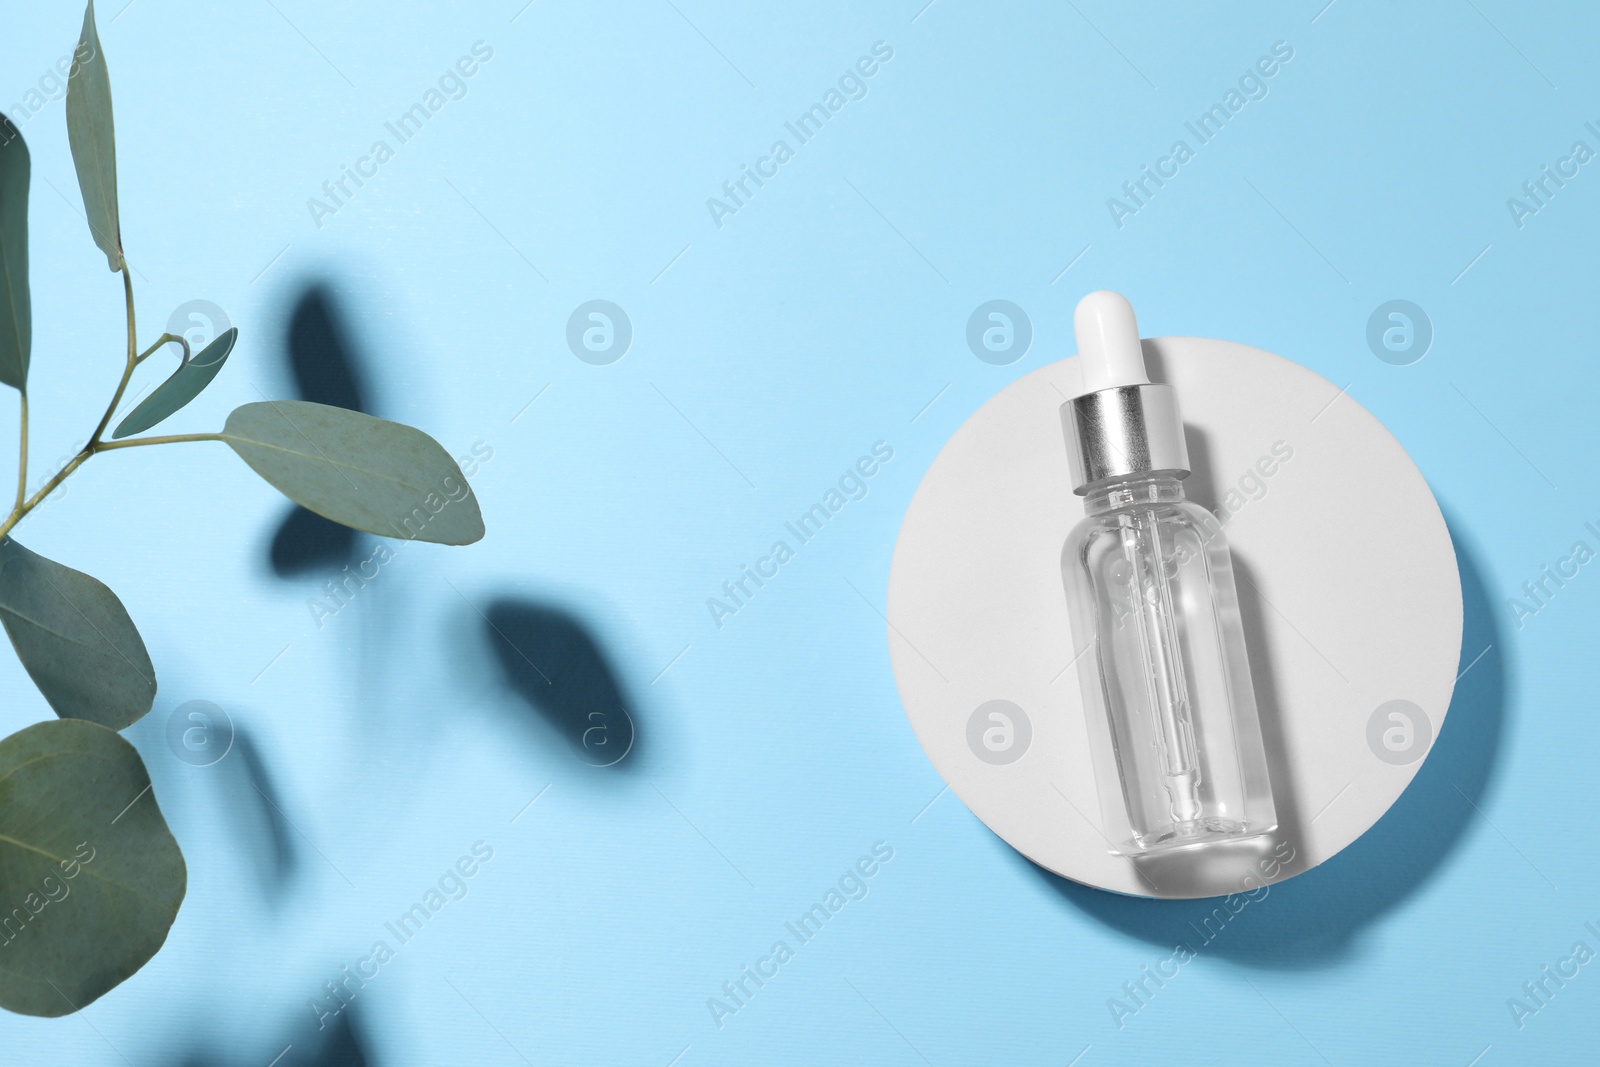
1170 708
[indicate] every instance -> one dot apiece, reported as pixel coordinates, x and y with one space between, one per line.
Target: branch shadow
1315 919
256 809
228 776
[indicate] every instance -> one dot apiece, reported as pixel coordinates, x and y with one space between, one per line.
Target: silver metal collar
1125 431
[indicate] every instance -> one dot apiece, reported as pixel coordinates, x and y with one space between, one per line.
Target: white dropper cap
1108 342
1122 424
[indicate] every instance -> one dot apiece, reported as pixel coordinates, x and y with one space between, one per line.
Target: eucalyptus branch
127 370
24 503
164 339
22 451
89 451
169 439
75 638
45 490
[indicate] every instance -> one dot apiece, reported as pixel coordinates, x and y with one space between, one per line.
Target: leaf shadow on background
238 788
1313 919
343 1045
552 661
327 370
256 808
339 1045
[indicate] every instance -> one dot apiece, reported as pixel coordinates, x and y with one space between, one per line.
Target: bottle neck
1154 487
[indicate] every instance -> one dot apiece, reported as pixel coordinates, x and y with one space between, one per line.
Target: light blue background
769 354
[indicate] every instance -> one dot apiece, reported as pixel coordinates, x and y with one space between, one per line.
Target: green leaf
16 314
184 385
91 876
94 146
76 641
368 473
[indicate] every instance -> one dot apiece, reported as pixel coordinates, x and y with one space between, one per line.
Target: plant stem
22 451
164 338
24 505
127 370
45 490
107 446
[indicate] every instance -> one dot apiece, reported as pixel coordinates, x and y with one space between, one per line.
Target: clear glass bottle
1173 726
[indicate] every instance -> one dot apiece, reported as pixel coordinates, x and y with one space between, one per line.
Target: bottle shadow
1313 920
